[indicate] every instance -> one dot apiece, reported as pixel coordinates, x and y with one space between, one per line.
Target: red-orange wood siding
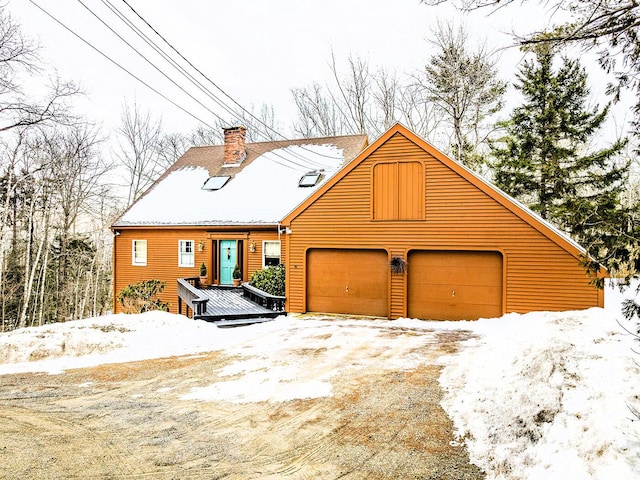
162 255
541 270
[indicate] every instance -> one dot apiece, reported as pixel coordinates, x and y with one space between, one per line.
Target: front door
228 260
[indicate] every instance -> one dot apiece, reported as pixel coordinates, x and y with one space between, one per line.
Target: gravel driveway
133 421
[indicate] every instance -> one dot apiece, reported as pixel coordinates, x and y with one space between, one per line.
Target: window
271 253
309 179
398 191
215 183
139 252
185 253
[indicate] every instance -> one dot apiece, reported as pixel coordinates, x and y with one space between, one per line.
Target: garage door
348 281
454 285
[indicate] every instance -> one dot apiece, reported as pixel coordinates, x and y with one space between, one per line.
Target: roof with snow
262 189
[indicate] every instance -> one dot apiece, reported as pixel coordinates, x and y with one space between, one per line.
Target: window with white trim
185 253
270 252
139 252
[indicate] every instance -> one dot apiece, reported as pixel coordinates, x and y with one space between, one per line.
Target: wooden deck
226 306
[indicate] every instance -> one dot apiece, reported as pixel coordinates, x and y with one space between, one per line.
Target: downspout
287 265
116 233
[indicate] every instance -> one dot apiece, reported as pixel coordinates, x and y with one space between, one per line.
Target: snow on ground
542 396
535 396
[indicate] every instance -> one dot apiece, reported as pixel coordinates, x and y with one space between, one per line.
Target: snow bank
113 339
536 396
543 395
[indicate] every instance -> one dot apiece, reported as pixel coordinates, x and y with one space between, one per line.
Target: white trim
142 263
189 255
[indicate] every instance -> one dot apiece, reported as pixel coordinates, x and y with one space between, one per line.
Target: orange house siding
162 256
540 271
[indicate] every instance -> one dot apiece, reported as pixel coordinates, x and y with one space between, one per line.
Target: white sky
255 50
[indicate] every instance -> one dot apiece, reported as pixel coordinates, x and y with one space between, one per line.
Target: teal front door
228 260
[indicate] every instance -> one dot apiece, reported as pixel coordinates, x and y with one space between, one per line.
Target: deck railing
189 293
272 302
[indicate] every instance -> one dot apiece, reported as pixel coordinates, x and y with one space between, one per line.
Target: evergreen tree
544 161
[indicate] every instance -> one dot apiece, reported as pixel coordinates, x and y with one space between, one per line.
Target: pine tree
543 160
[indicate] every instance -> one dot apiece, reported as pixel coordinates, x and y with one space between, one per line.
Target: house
469 250
222 206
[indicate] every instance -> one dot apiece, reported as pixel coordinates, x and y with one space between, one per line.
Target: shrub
142 297
270 280
237 273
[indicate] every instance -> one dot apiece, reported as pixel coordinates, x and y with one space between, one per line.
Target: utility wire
199 71
181 70
287 161
304 168
149 61
167 57
118 65
269 128
308 163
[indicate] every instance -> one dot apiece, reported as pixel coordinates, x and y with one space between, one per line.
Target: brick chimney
234 145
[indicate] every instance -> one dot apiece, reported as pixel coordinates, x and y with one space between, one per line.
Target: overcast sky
255 50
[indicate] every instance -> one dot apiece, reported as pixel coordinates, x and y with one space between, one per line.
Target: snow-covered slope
536 396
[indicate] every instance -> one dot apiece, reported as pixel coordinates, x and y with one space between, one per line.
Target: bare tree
363 101
138 153
317 113
18 56
386 96
352 93
171 147
52 184
465 86
261 125
420 115
74 172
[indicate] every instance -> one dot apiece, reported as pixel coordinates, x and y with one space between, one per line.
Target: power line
118 65
147 60
308 162
153 45
268 127
288 162
199 71
304 168
167 57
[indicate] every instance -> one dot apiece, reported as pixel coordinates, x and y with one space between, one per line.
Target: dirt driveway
132 421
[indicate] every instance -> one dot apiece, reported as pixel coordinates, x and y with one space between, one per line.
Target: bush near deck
271 280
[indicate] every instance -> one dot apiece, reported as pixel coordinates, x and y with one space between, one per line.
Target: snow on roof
263 192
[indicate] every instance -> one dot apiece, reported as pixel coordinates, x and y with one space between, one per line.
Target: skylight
309 179
215 183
